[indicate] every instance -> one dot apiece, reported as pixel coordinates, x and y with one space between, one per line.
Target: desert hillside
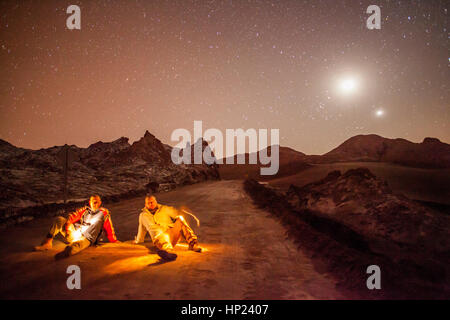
431 153
35 177
423 184
290 161
353 219
420 171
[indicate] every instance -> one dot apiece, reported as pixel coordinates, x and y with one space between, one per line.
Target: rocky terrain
365 223
431 153
35 177
365 204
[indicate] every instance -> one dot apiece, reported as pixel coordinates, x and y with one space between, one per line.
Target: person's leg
78 246
169 239
142 229
163 243
73 248
56 227
181 228
175 232
189 235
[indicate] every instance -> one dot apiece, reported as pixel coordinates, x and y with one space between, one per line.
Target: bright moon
348 85
379 113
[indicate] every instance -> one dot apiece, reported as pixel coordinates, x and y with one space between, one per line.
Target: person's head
95 202
150 202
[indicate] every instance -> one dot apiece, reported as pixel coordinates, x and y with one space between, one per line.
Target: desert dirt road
247 256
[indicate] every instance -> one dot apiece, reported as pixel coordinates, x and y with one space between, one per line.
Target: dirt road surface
247 256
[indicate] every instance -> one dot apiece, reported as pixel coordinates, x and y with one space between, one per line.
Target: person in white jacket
165 226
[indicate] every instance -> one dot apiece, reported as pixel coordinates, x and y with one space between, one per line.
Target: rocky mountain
286 155
34 177
431 153
290 162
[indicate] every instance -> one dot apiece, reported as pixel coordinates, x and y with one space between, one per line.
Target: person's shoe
165 255
46 245
194 247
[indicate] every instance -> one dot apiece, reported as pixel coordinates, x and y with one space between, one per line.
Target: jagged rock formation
34 177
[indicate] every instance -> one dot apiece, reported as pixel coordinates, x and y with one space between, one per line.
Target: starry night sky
160 65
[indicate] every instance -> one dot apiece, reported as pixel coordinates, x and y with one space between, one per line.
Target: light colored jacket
159 222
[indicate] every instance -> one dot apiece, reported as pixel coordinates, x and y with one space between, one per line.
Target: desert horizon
224 158
420 140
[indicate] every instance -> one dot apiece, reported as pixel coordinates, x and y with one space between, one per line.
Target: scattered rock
366 204
353 220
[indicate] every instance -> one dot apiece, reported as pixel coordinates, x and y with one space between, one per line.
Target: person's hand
69 237
69 227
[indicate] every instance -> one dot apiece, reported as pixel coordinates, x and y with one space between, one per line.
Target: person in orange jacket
81 229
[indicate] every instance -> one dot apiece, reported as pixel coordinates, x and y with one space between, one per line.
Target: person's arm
174 213
74 217
109 229
182 211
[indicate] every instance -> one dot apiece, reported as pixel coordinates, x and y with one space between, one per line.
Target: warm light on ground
140 262
185 245
131 264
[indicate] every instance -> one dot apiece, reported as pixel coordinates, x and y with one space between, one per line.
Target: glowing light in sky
379 113
348 85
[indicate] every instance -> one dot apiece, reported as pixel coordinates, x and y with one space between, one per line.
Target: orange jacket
107 225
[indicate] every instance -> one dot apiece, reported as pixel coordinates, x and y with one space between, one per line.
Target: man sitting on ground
165 226
81 229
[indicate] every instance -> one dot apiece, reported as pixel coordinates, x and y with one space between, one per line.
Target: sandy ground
247 256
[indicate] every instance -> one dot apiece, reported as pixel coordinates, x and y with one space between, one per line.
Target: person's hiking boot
45 245
193 246
166 255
